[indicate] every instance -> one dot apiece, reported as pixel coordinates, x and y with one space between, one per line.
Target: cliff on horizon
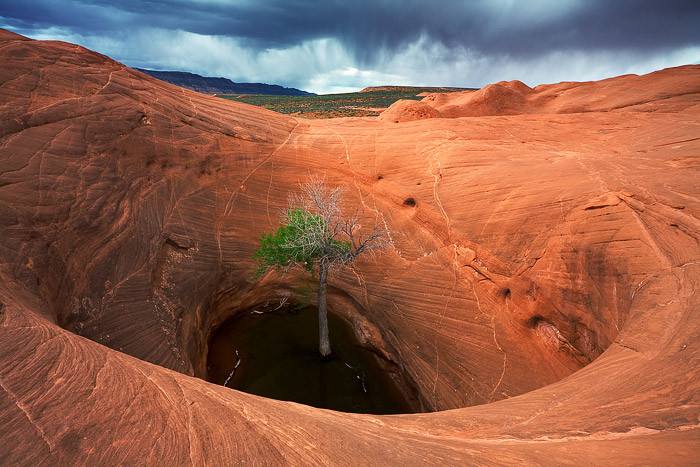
211 85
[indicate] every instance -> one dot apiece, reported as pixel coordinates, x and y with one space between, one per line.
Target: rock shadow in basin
278 358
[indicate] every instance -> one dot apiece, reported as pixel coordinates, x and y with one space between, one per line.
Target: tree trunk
324 343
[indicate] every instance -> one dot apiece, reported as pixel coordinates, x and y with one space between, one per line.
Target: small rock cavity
275 354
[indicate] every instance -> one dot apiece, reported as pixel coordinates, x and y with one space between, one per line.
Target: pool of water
277 357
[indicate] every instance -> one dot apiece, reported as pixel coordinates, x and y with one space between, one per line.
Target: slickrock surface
546 247
665 90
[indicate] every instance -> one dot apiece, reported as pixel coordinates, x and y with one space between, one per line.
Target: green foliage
361 104
303 296
280 249
324 237
302 239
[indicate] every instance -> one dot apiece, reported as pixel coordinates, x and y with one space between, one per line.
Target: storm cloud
332 45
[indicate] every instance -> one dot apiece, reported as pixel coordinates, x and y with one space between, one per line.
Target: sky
328 46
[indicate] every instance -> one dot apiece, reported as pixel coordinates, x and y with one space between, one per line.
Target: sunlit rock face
537 232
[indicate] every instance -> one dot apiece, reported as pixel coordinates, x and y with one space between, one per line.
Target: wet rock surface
549 252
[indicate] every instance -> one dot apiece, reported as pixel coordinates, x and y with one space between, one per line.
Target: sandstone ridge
662 89
548 250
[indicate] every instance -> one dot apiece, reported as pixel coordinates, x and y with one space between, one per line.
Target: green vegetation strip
355 104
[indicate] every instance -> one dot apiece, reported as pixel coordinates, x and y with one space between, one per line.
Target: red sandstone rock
405 110
663 90
532 243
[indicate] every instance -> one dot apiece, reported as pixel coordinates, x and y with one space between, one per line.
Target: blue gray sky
327 46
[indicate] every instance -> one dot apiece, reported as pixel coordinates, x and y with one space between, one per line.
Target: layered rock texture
546 247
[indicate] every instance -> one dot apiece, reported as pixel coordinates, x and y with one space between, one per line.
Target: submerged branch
238 362
361 379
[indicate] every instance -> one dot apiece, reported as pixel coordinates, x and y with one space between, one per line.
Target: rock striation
546 247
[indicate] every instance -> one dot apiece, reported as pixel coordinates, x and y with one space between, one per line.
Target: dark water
279 359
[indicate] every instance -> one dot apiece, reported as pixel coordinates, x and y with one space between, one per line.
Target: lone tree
314 233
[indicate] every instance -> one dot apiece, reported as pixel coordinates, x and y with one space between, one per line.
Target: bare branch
324 234
315 232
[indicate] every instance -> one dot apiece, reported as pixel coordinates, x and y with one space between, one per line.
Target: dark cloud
371 27
389 38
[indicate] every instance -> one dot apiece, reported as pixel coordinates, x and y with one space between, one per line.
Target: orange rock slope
546 247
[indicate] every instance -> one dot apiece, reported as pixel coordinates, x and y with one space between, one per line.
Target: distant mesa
419 89
211 85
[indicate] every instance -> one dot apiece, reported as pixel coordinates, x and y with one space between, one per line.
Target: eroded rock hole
409 202
274 353
504 293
